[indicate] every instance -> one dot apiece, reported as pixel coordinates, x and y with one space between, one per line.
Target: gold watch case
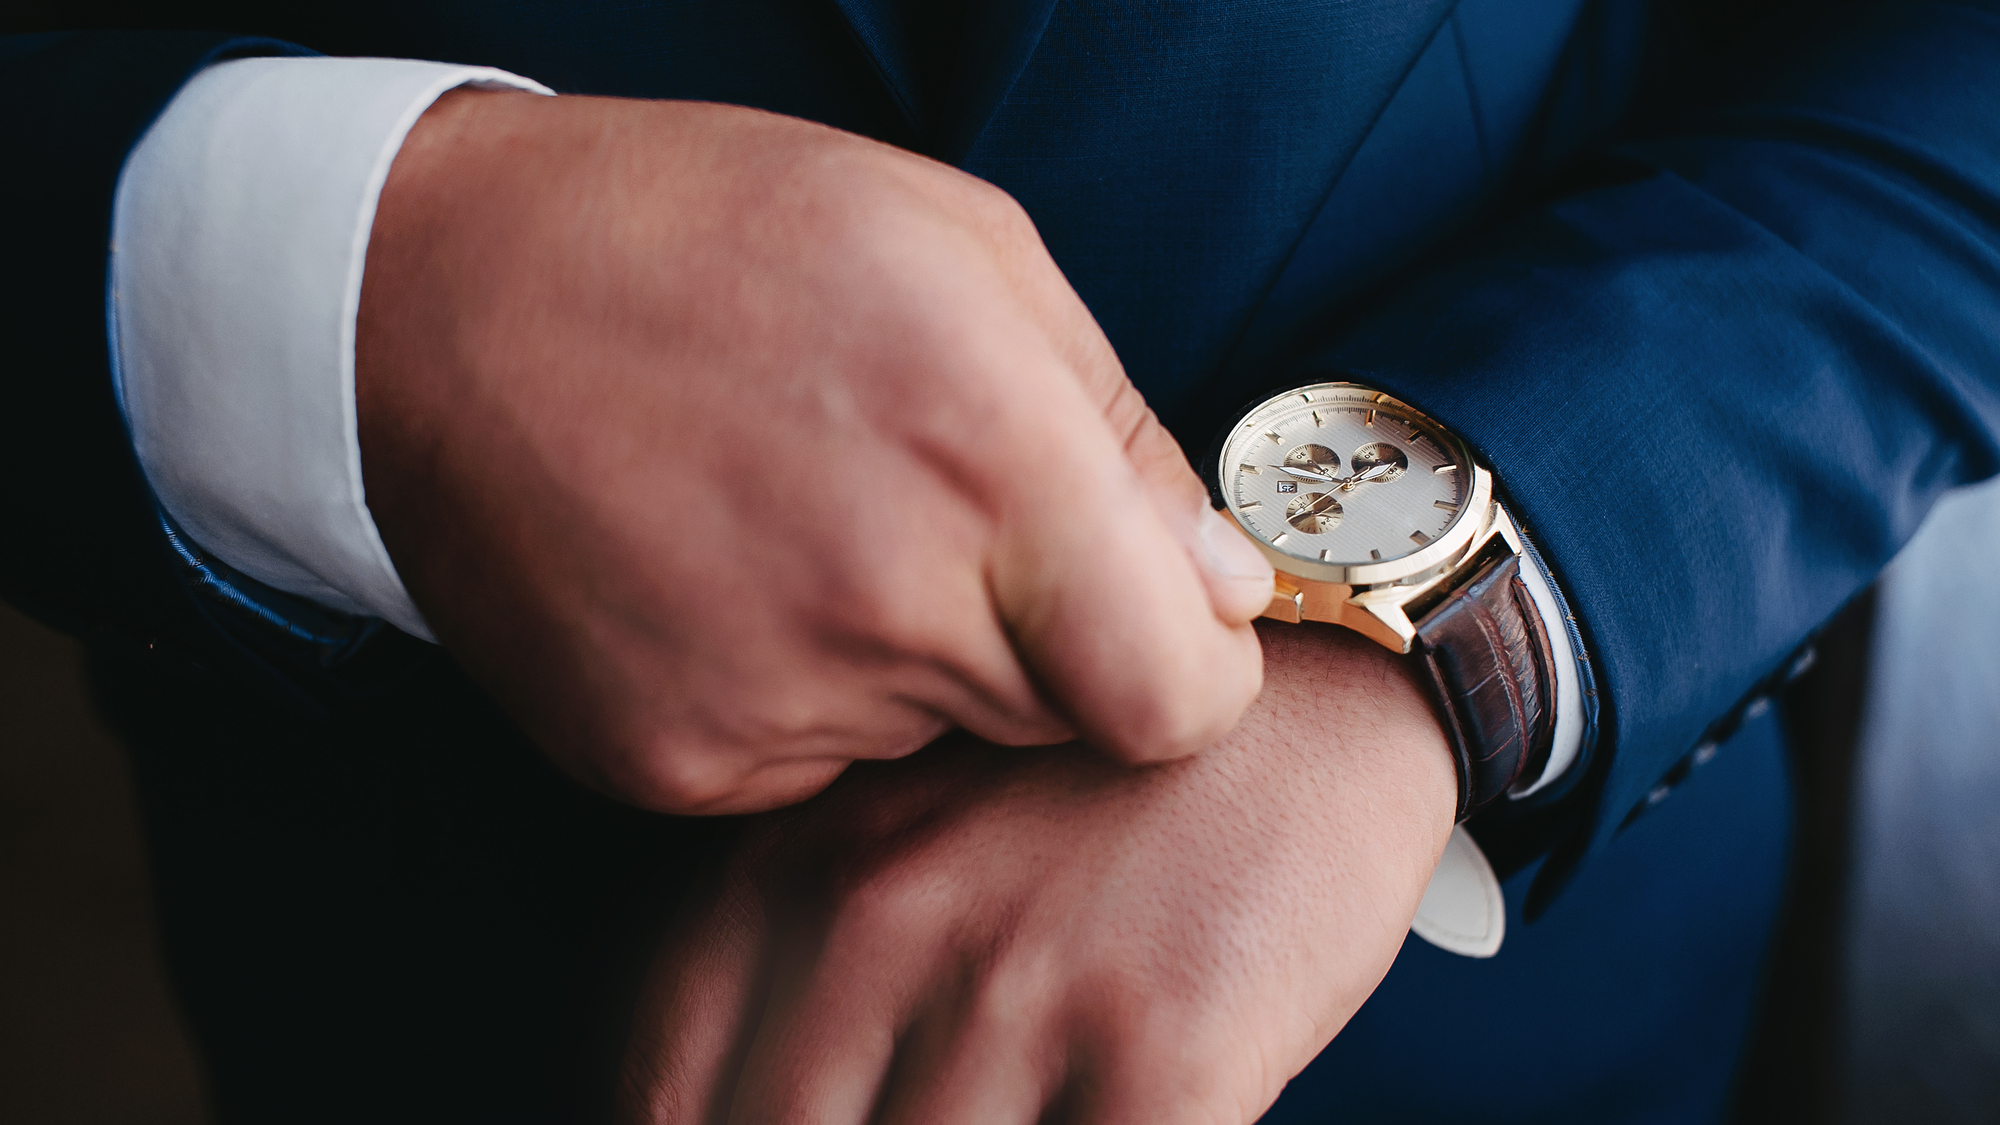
1380 600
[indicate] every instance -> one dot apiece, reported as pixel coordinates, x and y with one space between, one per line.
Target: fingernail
1229 552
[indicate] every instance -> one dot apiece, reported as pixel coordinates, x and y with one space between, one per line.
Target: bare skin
1010 937
724 449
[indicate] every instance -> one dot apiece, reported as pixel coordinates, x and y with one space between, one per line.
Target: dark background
89 1032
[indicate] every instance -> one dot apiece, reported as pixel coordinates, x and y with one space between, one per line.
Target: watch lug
1382 620
1376 614
1287 600
1502 525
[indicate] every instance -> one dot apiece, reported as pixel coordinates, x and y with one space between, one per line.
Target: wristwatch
1379 518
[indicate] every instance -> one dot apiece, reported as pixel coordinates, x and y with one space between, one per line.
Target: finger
695 1009
944 659
818 1067
981 1061
826 1039
1104 605
773 784
1161 1079
1103 601
1237 575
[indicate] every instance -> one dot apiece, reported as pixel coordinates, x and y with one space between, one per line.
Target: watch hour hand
1308 474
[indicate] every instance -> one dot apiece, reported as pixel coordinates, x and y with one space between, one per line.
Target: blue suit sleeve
1726 383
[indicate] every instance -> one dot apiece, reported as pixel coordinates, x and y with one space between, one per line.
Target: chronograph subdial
1314 513
1312 462
1379 461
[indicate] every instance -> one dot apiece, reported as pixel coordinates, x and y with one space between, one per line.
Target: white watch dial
1341 474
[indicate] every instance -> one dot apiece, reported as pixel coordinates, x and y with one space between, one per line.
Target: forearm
1353 720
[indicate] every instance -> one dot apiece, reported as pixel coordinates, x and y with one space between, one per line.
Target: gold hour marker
1442 469
1447 505
1275 439
1279 539
1326 555
1415 433
1253 470
1419 538
1370 420
1250 505
1317 420
1305 396
1374 554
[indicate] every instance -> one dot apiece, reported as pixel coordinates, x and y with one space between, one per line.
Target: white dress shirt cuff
239 232
1567 745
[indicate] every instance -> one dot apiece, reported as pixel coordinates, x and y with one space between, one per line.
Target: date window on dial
1288 486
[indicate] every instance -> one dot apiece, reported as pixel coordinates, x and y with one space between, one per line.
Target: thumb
1236 573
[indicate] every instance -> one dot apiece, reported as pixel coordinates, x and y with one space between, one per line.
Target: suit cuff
240 229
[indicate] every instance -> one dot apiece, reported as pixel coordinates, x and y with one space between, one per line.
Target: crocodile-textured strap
1493 675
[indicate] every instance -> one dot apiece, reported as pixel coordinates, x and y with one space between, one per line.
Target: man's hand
1013 937
725 448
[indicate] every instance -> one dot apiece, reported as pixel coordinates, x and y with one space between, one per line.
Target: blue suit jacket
1720 301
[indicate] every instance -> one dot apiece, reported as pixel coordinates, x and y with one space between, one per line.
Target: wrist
1352 710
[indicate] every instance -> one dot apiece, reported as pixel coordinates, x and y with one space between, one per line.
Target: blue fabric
1724 388
1627 1003
1722 305
1614 1008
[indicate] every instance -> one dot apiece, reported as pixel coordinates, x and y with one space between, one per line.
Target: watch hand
1303 518
1308 474
1372 472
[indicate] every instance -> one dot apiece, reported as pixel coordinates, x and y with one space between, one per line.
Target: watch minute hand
1372 472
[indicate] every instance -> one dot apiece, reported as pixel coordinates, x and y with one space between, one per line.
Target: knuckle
1151 1075
1017 987
766 725
678 778
1128 416
899 609
999 208
887 899
890 900
1174 724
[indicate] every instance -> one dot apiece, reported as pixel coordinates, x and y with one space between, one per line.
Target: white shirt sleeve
239 231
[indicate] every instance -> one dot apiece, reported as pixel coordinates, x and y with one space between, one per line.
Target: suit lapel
1001 36
879 30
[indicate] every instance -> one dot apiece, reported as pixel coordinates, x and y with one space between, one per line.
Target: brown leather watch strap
1493 674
